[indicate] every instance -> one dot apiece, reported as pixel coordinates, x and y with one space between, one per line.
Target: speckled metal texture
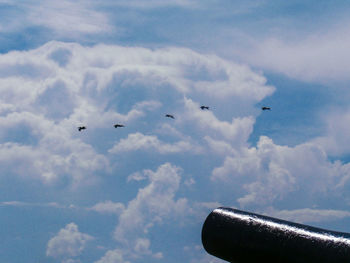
242 237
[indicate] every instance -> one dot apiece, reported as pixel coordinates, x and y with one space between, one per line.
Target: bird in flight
169 116
265 108
204 107
81 128
118 125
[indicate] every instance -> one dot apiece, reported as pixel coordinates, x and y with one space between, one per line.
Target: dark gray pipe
243 237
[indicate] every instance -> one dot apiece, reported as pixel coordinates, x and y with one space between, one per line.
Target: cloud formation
153 204
108 207
64 85
308 215
139 141
68 243
319 56
270 173
64 18
61 86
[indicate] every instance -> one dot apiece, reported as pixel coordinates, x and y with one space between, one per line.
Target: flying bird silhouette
265 108
81 128
169 116
204 107
118 125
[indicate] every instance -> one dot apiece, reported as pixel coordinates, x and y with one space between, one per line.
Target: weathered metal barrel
243 237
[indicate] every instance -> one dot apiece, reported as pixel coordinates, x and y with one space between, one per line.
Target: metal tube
243 237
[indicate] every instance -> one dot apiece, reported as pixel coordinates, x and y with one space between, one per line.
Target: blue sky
141 193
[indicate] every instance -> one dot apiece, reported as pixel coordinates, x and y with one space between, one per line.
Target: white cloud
60 86
152 204
237 132
204 257
19 203
335 140
139 4
71 261
220 147
150 105
54 96
92 79
108 207
308 215
270 172
65 18
113 256
189 182
69 242
138 141
158 255
142 246
319 56
170 130
72 158
72 85
238 81
137 176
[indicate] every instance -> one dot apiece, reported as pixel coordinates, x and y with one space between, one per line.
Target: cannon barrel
242 237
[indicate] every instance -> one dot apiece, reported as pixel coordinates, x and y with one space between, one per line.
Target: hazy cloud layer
64 18
308 215
319 57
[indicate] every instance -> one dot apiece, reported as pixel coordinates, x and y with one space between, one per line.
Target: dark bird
81 128
204 107
265 108
118 125
170 116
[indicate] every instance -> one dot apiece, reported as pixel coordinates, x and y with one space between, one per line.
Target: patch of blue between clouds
296 111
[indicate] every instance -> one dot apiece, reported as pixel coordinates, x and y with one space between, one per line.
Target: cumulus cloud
220 146
271 172
136 177
60 86
108 207
245 85
142 246
139 141
47 92
153 203
68 242
237 132
113 256
52 164
65 85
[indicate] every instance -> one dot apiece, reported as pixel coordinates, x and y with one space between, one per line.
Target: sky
141 193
